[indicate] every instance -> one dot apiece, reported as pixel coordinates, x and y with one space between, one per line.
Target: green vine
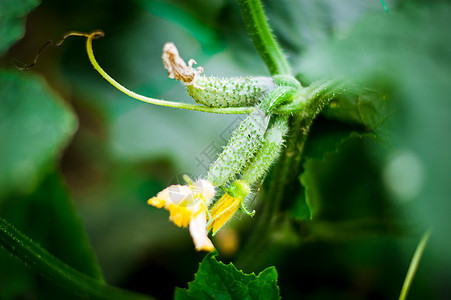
262 37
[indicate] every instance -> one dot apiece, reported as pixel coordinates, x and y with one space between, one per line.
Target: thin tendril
51 44
228 110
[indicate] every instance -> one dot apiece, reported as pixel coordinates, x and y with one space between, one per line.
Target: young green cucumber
245 141
269 151
229 92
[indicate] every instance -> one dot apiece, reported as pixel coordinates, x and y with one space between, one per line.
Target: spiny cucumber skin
269 151
230 92
245 141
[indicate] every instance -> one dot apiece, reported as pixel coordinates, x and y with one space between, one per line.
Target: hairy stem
262 37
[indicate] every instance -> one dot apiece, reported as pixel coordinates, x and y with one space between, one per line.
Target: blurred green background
78 156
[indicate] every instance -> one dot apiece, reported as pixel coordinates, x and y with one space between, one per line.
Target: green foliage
371 108
216 280
78 284
413 63
12 21
194 21
373 166
325 139
49 217
361 188
305 25
34 127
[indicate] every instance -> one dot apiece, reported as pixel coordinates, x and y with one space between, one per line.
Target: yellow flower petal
187 205
174 194
157 202
222 211
179 215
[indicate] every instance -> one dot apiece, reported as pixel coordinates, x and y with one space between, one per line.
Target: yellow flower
227 206
222 211
187 205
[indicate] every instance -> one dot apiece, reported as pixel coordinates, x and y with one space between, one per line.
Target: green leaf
374 108
325 137
55 270
344 184
216 280
12 21
194 22
382 48
34 127
302 24
408 49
